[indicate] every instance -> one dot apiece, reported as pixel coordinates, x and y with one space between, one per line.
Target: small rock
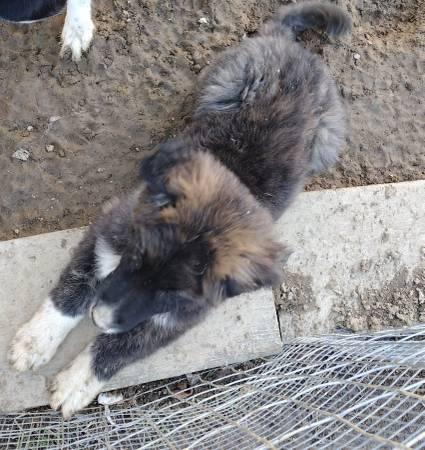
30 128
21 154
182 385
193 379
356 56
409 86
100 170
54 119
365 265
16 231
50 148
181 395
203 20
109 398
61 153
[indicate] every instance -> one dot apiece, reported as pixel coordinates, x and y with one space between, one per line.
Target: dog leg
37 341
76 386
78 29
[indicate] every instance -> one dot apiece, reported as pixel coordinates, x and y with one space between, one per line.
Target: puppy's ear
162 199
154 167
255 271
261 277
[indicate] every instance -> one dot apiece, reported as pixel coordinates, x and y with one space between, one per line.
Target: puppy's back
272 56
269 110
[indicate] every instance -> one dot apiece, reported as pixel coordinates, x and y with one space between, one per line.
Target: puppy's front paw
75 387
30 348
77 34
37 341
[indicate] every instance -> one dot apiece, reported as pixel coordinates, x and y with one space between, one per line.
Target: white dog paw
36 342
75 387
29 349
77 32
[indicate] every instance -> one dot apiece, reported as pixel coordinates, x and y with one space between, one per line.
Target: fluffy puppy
199 227
78 29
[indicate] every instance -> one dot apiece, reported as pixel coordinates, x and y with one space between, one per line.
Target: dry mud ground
135 87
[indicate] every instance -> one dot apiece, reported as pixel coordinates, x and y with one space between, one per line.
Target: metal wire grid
362 391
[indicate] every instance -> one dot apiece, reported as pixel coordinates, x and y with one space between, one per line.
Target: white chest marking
164 320
107 260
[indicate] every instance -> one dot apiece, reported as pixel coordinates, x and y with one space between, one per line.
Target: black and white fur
78 29
199 228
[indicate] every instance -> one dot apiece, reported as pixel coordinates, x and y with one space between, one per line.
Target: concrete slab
358 261
242 329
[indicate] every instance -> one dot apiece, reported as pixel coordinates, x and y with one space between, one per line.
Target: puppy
199 227
78 29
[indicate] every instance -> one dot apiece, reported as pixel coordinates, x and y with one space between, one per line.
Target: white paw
77 33
75 387
30 349
36 342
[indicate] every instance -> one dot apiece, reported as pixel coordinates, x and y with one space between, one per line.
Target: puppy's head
188 237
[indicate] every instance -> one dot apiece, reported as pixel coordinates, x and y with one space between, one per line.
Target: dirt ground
86 126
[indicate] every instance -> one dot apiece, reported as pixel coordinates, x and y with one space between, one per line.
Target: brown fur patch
213 202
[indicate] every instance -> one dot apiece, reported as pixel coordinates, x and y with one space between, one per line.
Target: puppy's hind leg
36 341
76 386
329 136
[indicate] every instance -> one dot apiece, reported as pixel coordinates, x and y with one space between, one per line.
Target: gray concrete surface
240 330
358 260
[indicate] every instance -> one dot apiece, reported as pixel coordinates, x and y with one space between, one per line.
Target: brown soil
401 302
136 85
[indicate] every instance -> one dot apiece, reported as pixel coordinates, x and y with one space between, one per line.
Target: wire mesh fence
364 391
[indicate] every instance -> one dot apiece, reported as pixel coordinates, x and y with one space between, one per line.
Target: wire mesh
363 391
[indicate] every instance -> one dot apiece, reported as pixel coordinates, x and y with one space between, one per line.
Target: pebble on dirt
21 154
50 148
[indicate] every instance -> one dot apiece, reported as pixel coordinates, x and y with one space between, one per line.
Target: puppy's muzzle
102 317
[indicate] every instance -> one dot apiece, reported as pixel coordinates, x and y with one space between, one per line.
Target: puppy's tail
298 18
